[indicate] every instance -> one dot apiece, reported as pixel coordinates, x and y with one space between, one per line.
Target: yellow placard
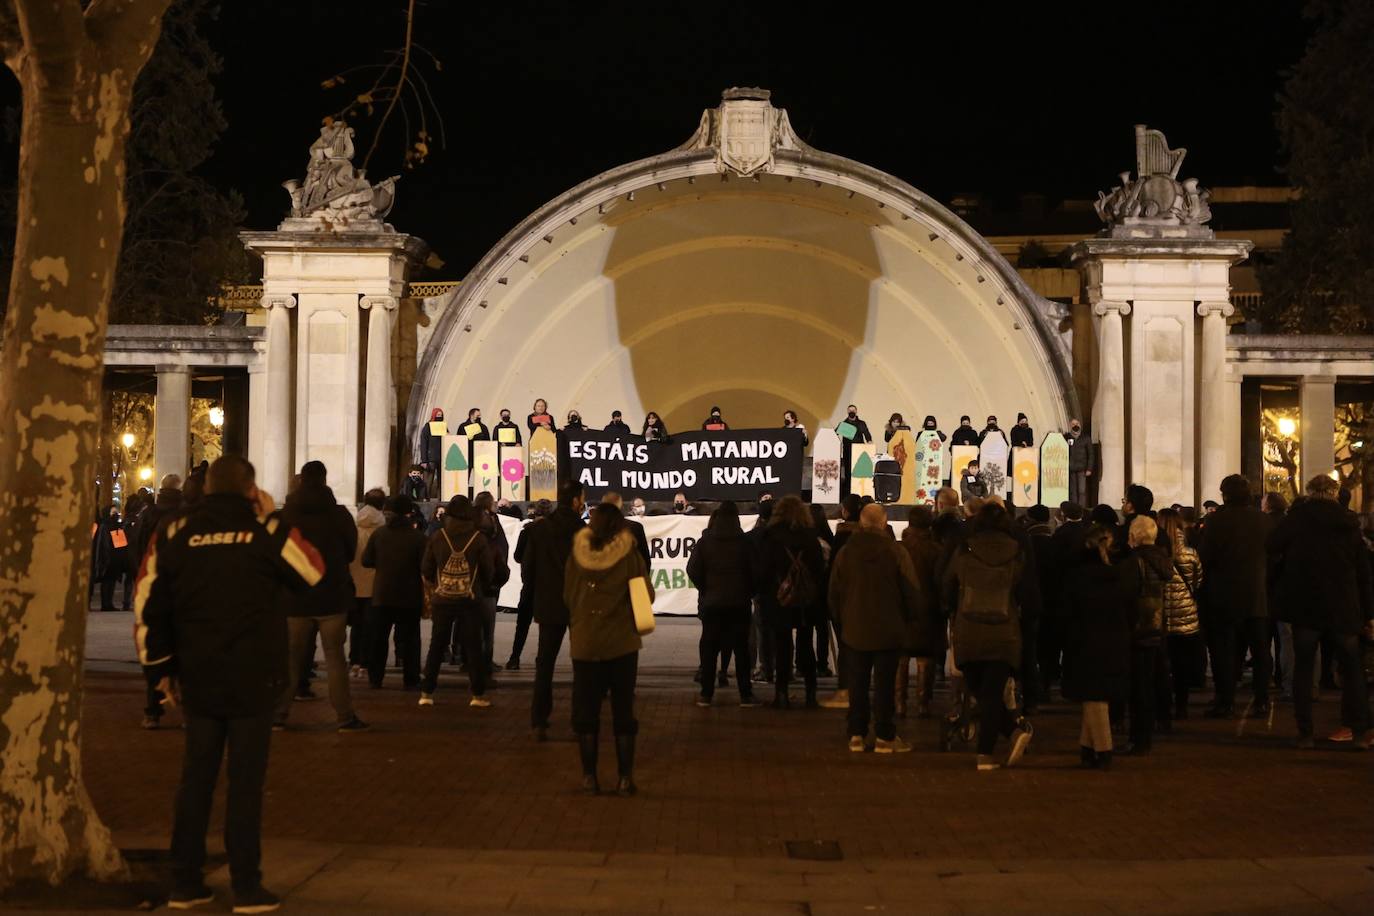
506 436
438 428
472 430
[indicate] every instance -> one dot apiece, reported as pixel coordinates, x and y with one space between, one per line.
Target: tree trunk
76 72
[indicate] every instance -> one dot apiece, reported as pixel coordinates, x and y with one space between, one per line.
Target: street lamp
216 417
127 439
145 473
1287 426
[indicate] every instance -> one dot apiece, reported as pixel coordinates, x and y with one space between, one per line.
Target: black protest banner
730 464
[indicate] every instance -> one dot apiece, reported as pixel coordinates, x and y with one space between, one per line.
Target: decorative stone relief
744 132
1155 203
335 193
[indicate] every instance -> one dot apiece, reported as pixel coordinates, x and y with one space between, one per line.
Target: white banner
671 540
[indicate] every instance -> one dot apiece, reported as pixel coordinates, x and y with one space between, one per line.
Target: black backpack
797 589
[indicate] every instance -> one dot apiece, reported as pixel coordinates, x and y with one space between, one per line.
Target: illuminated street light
1334 475
145 473
127 439
1287 426
217 417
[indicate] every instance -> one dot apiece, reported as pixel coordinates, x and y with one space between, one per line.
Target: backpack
456 576
985 590
1149 604
796 590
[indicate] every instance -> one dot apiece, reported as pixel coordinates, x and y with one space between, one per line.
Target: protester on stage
874 594
209 631
726 570
507 424
1080 462
931 425
714 422
1022 436
396 554
618 426
1184 647
546 556
681 506
793 570
540 417
605 643
1097 642
654 430
574 422
637 507
925 632
457 569
414 485
894 423
431 449
965 434
369 520
1146 571
475 419
991 429
971 484
984 589
790 421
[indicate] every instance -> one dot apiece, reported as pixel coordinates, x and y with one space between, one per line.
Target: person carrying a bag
456 567
603 573
1147 568
793 571
1183 633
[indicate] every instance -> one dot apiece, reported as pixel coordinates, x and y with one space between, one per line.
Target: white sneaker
479 702
988 762
856 744
895 746
1020 740
426 699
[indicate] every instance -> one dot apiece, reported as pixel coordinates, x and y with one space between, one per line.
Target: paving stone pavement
453 809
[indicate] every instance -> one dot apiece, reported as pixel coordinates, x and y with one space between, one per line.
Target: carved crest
746 135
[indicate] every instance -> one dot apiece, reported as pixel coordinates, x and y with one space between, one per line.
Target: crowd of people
1124 613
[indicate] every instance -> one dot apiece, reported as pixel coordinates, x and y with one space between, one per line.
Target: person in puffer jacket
1183 642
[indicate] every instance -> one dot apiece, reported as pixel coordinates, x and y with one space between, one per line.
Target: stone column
1235 410
1317 403
1109 403
379 406
275 473
172 413
1213 392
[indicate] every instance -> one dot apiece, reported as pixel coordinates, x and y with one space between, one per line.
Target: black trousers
1051 653
764 645
247 740
1354 691
1149 679
1227 638
406 623
524 616
464 618
880 667
724 631
1030 660
988 682
823 643
782 656
152 705
550 644
1185 666
592 681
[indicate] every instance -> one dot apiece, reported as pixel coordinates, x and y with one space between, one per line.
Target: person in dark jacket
1038 534
324 609
480 432
984 589
791 421
1138 501
431 449
925 640
862 435
544 561
395 551
110 558
461 533
1097 641
930 424
726 571
714 422
507 425
874 595
1022 436
1324 589
1146 572
972 484
166 507
991 429
965 434
851 506
1080 462
618 426
539 416
1235 595
636 528
210 632
1065 548
761 639
524 611
489 597
895 423
574 422
654 430
791 553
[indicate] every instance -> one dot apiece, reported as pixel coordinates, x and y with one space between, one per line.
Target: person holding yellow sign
474 428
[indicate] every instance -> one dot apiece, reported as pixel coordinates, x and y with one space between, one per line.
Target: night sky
537 98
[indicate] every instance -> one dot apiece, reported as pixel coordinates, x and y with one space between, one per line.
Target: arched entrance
748 270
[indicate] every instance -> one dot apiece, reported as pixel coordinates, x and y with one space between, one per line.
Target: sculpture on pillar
744 132
1155 199
334 191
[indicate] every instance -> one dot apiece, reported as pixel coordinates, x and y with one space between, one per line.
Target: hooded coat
395 553
596 589
370 519
1321 569
964 435
925 632
780 543
1233 553
873 593
1022 436
313 510
544 560
976 640
725 568
477 550
1097 634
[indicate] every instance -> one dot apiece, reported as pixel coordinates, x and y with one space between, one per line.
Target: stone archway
749 270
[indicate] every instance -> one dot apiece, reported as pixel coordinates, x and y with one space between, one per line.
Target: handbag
643 607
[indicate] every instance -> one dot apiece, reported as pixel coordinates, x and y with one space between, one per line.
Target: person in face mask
1080 462
681 506
991 429
715 422
934 427
1022 436
851 417
475 419
574 421
861 436
790 421
965 434
618 426
894 423
637 508
507 424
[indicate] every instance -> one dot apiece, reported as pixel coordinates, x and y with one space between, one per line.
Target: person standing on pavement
394 554
490 524
456 567
1324 590
793 573
1146 572
874 595
311 508
1183 632
726 571
604 641
984 587
209 630
545 562
1235 596
925 640
370 518
164 508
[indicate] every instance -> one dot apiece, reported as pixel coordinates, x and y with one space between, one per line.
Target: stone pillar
275 473
1109 403
1317 400
1234 451
172 414
1214 391
379 406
